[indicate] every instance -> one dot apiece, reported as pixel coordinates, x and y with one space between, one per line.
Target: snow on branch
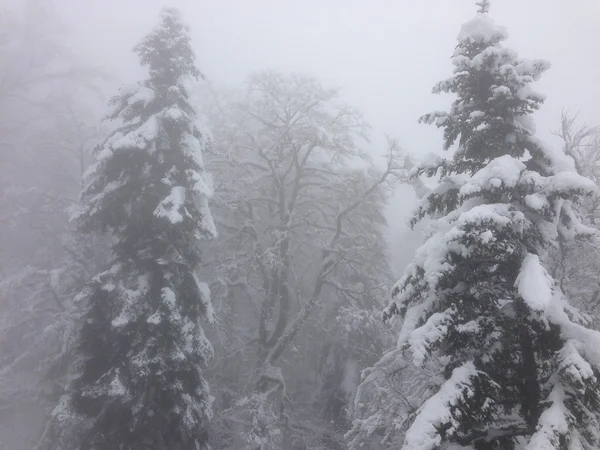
482 30
553 424
439 410
534 284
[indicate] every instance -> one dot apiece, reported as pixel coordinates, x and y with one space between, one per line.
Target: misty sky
385 55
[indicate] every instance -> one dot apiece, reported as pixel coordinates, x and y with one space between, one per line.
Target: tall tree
519 367
137 371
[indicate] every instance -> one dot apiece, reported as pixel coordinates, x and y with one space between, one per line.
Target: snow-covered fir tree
137 375
520 369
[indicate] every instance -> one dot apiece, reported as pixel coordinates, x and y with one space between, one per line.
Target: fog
298 263
385 56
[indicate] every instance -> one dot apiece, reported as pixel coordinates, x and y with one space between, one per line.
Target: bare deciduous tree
292 212
578 263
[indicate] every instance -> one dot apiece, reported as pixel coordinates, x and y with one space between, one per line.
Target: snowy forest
198 253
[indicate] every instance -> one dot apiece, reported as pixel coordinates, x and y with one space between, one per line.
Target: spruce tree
521 369
137 375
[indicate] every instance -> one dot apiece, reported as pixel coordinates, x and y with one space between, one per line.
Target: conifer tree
520 368
137 375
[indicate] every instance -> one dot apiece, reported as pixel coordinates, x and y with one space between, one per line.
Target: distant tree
45 144
35 67
36 70
577 263
391 393
519 367
136 375
299 244
39 319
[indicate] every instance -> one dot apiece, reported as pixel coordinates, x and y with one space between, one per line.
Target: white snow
127 90
63 412
449 182
498 214
503 171
187 330
141 362
90 171
208 225
170 301
188 83
481 29
588 340
192 148
431 161
169 297
533 67
470 327
117 389
203 345
552 423
534 283
558 159
174 91
139 138
582 349
174 114
437 117
431 332
204 291
571 362
108 287
155 318
199 184
423 434
142 94
565 181
543 192
130 298
526 123
121 320
486 237
105 153
501 91
431 257
170 206
536 201
411 320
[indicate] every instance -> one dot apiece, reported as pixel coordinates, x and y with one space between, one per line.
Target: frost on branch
301 259
402 388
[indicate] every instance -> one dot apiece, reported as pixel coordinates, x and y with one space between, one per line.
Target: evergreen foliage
137 373
520 368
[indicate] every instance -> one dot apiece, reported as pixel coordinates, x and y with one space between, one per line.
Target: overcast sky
385 55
